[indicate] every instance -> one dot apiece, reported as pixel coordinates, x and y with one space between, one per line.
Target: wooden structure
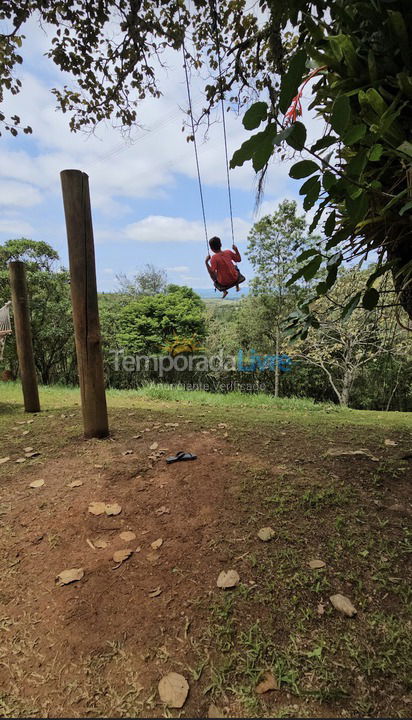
76 200
22 330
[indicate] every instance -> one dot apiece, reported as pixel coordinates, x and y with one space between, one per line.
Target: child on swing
221 268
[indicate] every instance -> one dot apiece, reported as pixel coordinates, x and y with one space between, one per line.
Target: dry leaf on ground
4 460
113 509
97 508
69 576
121 555
266 533
321 609
173 690
343 604
36 483
100 543
154 446
31 454
127 535
90 544
75 483
316 564
228 579
156 544
127 452
155 592
28 449
390 443
163 510
268 683
21 460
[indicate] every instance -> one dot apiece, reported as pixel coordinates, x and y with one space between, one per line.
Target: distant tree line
364 360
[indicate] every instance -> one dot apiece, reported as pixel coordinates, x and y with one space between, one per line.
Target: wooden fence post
22 330
76 200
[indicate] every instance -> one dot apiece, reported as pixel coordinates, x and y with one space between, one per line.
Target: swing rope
214 14
189 98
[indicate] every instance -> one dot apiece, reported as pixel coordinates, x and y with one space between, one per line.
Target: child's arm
209 269
236 253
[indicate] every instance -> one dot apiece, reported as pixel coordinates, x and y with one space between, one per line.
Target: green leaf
262 153
354 134
400 30
324 142
405 148
256 114
317 216
405 84
323 287
357 164
310 270
351 306
335 260
296 276
251 146
305 254
343 49
297 137
328 180
308 186
330 224
406 207
370 298
291 80
394 200
340 116
357 207
303 169
375 153
312 196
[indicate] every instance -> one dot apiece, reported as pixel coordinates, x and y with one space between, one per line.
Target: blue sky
144 194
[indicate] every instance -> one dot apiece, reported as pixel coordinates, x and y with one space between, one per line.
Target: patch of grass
259 408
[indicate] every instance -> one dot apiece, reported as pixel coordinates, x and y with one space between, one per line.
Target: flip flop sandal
180 456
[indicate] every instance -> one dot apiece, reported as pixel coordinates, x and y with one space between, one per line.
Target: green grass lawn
258 408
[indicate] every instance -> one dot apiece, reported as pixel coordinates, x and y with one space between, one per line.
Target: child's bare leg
224 294
237 288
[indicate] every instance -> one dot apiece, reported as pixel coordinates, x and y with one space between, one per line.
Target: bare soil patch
100 645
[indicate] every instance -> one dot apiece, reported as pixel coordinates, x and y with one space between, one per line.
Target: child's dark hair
215 244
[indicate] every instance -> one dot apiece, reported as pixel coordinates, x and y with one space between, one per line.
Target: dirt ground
99 646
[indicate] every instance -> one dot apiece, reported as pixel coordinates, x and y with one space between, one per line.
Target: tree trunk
347 382
277 371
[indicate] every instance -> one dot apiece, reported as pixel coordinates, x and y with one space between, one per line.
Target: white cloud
18 194
178 269
159 228
15 227
164 229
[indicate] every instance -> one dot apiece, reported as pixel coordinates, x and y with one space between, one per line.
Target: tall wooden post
76 200
22 329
